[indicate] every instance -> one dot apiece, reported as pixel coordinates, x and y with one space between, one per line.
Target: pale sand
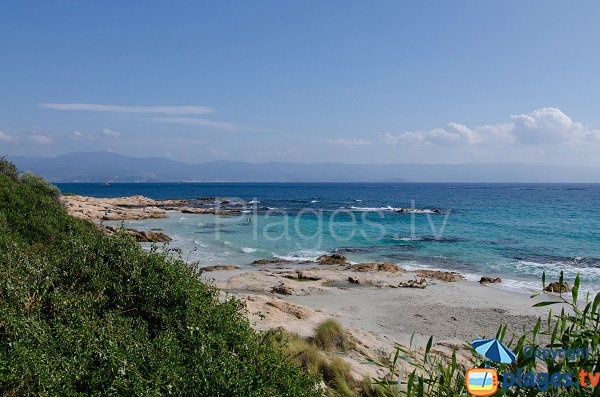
378 316
460 311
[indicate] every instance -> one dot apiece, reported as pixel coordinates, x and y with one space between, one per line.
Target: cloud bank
542 126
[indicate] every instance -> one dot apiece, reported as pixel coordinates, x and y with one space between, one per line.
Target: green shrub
329 335
8 169
83 313
38 183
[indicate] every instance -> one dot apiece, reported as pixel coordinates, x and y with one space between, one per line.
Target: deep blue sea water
515 231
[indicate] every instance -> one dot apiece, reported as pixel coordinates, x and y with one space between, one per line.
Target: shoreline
379 304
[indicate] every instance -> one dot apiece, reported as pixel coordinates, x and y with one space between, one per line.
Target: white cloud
4 137
347 142
542 126
110 133
92 107
40 139
220 125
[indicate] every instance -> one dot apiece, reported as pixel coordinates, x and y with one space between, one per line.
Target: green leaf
546 303
575 290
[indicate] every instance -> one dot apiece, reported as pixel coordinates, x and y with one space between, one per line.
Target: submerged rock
220 267
211 211
334 259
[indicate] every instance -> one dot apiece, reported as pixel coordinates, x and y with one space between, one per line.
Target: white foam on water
248 250
303 255
393 209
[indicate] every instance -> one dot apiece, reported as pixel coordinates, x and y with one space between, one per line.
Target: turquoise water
515 231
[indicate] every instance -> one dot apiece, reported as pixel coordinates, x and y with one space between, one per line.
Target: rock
149 236
142 236
440 275
353 280
302 275
269 261
220 267
376 267
300 312
555 287
334 259
211 211
283 289
490 280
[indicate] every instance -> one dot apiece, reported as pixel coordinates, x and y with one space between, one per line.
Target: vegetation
309 354
577 327
83 313
329 335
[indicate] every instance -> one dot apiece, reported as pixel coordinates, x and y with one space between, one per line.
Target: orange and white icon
482 382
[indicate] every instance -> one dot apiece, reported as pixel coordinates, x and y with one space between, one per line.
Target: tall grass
576 326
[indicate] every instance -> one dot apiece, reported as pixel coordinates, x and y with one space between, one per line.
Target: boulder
490 280
334 259
440 275
556 287
283 289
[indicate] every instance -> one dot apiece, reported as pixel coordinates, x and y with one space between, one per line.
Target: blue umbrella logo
494 350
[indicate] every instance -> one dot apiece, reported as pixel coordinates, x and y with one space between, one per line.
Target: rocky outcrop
211 211
269 261
142 236
556 287
334 259
449 277
109 209
376 267
490 280
219 267
132 208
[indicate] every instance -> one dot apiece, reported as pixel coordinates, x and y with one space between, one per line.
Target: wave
248 250
397 209
301 256
314 201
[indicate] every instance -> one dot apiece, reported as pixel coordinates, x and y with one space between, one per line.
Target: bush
83 313
38 183
8 169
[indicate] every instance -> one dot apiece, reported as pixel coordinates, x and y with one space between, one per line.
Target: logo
482 382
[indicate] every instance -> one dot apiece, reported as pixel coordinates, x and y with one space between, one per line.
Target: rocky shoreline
138 207
379 304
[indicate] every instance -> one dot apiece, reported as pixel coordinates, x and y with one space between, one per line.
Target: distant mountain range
107 166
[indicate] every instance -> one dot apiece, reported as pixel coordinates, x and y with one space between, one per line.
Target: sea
512 231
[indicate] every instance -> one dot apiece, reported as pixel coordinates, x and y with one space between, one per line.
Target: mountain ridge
101 166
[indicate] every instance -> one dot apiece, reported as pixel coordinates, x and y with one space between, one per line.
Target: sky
303 81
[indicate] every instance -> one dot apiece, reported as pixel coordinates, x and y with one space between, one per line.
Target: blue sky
303 81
